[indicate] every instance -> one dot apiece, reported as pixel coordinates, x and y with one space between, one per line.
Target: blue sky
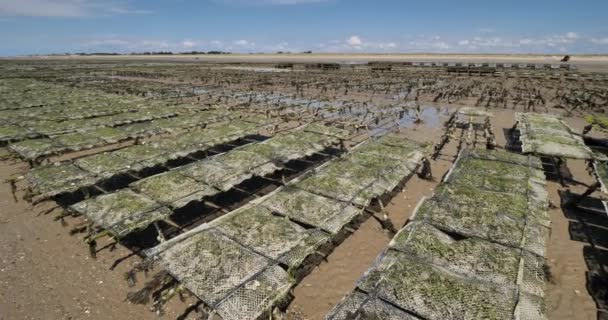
533 26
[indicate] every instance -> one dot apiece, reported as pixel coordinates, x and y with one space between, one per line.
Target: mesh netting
96 131
327 130
176 188
226 170
361 306
492 197
342 181
474 259
173 189
78 141
109 135
467 219
530 307
104 165
143 155
210 265
14 132
56 178
296 145
471 258
389 151
548 135
369 171
311 209
256 297
475 250
88 170
532 275
600 169
121 212
275 237
430 292
535 237
32 149
235 281
513 158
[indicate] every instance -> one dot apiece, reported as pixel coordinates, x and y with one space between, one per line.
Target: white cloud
189 44
354 41
121 10
423 43
64 8
115 44
269 2
600 41
572 35
426 43
244 43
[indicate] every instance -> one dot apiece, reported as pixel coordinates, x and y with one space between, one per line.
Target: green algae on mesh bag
470 257
210 265
104 164
57 178
432 293
173 189
361 306
305 207
121 212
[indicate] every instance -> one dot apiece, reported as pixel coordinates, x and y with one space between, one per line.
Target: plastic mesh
471 258
305 207
57 178
361 306
498 156
327 130
72 127
121 212
369 171
226 170
109 135
104 164
600 169
131 158
430 292
256 297
173 189
142 155
466 219
78 141
213 266
32 149
275 237
548 135
492 197
474 250
530 307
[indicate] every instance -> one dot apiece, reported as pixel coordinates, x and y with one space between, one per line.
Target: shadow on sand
588 223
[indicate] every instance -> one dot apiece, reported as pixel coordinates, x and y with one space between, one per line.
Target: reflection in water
431 116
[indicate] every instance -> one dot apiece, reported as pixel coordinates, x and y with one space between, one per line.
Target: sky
250 26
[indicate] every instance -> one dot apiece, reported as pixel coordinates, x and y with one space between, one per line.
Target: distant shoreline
316 56
596 62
